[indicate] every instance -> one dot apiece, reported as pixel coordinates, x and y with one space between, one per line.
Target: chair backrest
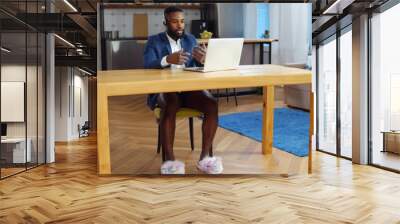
86 125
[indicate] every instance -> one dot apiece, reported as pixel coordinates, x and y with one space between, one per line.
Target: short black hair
171 9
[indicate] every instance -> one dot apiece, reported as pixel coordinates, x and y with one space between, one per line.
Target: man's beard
175 35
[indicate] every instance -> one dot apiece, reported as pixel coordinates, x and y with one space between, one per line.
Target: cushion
182 113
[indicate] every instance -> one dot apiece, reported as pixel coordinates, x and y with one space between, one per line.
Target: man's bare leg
203 101
169 104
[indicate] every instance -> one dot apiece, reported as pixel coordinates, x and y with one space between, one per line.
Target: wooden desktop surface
246 41
143 81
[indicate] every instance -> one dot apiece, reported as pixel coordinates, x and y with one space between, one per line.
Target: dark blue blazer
158 46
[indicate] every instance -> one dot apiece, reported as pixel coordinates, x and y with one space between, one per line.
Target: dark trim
37 94
317 95
269 53
59 79
91 5
333 154
369 90
0 94
45 89
341 23
69 97
22 171
211 1
80 102
338 100
45 95
26 91
328 39
73 91
386 6
102 38
241 93
385 168
11 15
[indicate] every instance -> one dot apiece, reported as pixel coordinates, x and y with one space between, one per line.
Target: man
176 49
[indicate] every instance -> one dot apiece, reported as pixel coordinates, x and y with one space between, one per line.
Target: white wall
122 20
230 19
250 20
71 94
12 73
290 23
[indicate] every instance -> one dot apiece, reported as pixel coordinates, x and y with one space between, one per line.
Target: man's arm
150 56
153 62
198 54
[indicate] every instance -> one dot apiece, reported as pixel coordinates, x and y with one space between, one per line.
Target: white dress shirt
175 46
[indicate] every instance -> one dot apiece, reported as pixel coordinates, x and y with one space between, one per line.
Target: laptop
222 54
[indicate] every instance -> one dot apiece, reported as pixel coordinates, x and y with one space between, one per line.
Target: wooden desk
142 81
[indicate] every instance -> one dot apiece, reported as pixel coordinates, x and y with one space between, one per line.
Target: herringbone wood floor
69 191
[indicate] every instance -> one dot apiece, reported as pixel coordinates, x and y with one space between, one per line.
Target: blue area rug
290 128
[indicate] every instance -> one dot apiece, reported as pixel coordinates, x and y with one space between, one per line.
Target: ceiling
76 20
72 20
329 15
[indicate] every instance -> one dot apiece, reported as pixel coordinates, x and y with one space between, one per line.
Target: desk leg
270 53
268 119
103 142
311 132
261 53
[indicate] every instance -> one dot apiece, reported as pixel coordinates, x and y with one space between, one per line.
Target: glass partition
22 90
385 89
327 96
346 94
14 153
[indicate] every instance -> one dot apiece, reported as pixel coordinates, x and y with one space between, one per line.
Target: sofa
297 96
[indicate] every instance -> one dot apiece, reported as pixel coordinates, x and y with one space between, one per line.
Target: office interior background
50 55
52 51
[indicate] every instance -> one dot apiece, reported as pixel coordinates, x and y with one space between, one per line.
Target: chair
84 130
182 113
227 95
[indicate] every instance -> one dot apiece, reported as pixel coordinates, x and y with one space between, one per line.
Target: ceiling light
86 72
65 41
5 50
338 6
70 5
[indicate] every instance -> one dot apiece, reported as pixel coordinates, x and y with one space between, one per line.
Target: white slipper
210 165
173 167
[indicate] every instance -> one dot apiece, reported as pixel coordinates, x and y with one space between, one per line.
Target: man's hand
199 53
178 58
